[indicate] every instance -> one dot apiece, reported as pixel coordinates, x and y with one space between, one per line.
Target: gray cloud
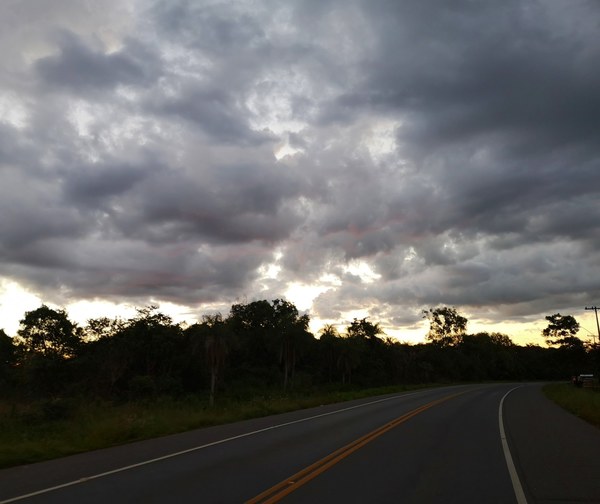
214 110
436 154
79 68
97 185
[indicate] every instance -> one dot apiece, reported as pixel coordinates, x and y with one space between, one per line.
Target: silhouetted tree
261 344
216 349
446 325
106 364
141 356
7 359
154 344
561 331
291 328
329 349
396 357
487 356
269 335
365 329
48 332
350 357
371 370
102 327
47 344
256 354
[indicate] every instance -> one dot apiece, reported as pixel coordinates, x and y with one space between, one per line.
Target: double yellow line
291 484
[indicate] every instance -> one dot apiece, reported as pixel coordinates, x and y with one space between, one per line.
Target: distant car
584 380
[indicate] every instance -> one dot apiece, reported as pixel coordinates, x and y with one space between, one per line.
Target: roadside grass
582 402
36 431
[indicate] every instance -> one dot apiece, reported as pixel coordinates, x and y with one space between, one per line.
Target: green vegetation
66 388
41 430
583 402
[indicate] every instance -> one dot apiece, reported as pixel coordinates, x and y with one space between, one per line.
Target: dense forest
265 345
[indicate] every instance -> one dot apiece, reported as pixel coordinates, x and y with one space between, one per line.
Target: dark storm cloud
500 116
213 29
96 184
464 71
214 110
211 204
501 79
32 211
77 67
133 270
438 153
11 146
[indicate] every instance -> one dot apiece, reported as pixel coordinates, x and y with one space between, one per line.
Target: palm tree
329 342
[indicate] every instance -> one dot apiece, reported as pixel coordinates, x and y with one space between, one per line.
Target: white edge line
514 476
196 448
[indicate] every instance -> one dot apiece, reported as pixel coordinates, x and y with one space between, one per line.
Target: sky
358 158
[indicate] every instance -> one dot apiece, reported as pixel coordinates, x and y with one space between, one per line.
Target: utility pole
595 308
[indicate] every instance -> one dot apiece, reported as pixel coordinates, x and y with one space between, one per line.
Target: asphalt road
440 445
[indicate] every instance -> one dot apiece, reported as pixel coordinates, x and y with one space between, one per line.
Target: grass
583 402
36 431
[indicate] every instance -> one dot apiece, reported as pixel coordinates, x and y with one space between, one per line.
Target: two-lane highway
448 453
436 445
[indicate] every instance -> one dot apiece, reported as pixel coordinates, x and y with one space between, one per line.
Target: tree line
265 345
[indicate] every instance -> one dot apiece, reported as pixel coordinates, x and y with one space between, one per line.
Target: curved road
465 444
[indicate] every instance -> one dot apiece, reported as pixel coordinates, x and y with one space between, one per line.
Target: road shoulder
556 453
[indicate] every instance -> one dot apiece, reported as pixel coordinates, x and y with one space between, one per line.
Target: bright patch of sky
272 269
303 295
81 115
284 149
359 314
81 311
12 110
14 302
381 139
362 270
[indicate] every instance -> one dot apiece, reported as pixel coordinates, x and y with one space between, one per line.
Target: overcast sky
357 157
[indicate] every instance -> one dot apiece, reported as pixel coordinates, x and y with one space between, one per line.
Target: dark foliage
259 346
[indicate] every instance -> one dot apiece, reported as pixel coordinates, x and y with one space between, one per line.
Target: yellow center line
289 485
